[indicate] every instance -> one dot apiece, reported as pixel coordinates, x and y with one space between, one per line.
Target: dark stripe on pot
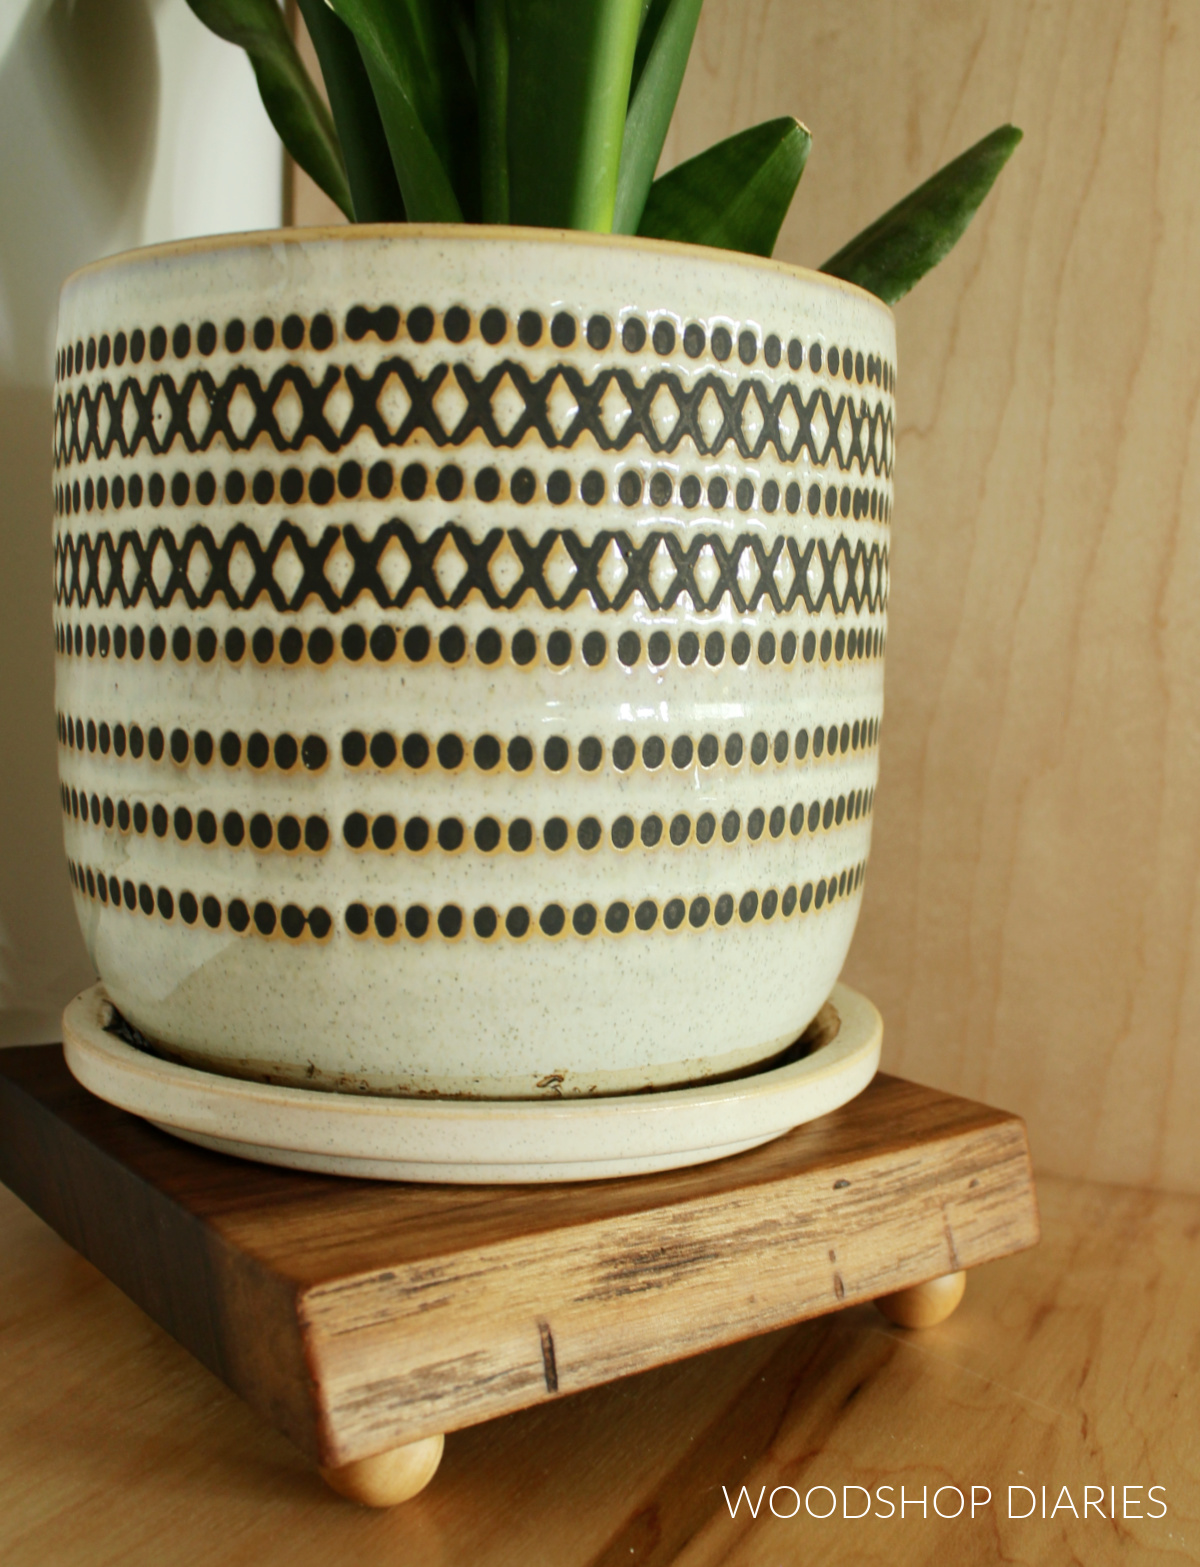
415 752
413 645
606 570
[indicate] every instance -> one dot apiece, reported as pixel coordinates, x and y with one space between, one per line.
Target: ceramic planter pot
469 651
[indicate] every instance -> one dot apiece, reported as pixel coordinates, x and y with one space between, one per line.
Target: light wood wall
1031 929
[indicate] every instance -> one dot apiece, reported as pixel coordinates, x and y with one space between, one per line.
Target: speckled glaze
384 1138
469 651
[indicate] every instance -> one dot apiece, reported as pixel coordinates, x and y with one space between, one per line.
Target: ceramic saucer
478 1141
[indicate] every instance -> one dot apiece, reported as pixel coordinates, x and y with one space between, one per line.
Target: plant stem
570 64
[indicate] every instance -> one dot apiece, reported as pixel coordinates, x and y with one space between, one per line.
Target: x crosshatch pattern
661 567
396 405
199 411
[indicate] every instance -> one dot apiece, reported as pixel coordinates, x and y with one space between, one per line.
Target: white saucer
474 1141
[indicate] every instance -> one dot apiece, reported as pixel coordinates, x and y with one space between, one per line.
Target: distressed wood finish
359 1316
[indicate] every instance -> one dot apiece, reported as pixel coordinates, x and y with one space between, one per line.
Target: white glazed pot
470 647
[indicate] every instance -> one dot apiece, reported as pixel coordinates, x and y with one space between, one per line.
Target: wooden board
1074 1362
358 1316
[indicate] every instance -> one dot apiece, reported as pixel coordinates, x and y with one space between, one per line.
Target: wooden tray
360 1318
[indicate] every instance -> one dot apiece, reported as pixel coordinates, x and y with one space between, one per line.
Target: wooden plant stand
366 1320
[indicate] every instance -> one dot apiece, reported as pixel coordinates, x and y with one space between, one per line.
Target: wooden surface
359 1315
1029 929
1075 1363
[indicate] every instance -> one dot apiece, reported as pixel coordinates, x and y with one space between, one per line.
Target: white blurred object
122 123
13 14
218 166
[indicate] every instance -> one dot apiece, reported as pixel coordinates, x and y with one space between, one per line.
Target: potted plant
471 622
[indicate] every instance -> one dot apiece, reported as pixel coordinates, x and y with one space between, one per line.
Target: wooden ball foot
385 1479
924 1305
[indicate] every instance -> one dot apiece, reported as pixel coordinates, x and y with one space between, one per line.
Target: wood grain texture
1030 926
1075 1362
359 1315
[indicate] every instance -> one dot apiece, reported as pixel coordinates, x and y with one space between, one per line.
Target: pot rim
477 233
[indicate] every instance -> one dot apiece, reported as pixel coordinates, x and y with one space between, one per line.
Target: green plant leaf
293 104
463 14
658 67
372 179
569 69
651 21
491 64
426 101
735 195
913 236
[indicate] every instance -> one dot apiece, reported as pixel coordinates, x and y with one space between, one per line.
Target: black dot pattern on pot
197 909
418 921
283 752
291 833
389 831
456 322
418 645
414 751
417 752
444 484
